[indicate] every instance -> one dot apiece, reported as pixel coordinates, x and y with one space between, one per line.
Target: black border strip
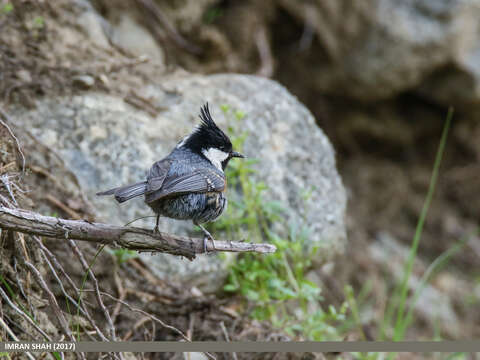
293 346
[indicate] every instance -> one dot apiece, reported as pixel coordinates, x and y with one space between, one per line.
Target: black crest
208 134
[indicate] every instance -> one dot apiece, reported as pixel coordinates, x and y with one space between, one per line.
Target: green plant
402 290
82 287
123 255
7 8
398 302
212 14
15 297
39 22
276 285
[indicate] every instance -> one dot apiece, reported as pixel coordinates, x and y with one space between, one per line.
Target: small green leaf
230 287
8 7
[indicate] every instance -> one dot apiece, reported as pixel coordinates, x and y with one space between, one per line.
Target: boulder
376 49
107 143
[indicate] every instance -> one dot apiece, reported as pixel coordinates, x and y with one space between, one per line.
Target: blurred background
379 77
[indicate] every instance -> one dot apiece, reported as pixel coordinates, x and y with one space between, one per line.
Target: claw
206 236
156 230
205 239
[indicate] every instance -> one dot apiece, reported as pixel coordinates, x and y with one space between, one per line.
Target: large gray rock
376 49
107 143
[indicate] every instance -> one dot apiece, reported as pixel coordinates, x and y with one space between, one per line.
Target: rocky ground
378 77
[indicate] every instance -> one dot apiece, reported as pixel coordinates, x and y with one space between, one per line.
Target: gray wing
198 181
157 174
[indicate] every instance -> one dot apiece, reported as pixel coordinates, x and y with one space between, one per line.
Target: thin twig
135 327
267 63
153 317
79 306
122 294
20 287
6 201
7 118
6 182
22 314
191 325
52 300
127 64
127 237
7 166
72 213
10 332
88 269
225 333
142 103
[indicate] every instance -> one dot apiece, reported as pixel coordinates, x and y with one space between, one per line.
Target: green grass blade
434 267
418 231
84 281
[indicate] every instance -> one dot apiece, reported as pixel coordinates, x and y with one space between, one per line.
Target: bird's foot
206 236
155 229
205 240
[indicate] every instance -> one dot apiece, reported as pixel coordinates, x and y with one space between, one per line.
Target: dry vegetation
68 290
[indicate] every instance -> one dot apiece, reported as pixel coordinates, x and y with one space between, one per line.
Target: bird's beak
236 154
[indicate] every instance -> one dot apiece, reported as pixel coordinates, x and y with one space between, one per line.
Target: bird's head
210 141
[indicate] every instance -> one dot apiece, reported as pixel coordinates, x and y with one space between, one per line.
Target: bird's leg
155 229
207 236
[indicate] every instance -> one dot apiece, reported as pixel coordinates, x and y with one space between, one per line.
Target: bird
189 183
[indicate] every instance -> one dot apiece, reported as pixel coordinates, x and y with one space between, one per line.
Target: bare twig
20 287
72 213
136 326
154 318
22 314
191 326
79 306
127 64
142 103
7 118
225 333
267 63
127 237
52 300
88 269
10 332
6 182
7 166
122 294
7 202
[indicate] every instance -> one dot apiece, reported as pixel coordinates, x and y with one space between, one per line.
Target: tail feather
127 192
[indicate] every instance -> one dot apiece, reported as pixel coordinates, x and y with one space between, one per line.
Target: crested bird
189 183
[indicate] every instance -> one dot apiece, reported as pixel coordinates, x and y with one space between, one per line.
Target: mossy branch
126 237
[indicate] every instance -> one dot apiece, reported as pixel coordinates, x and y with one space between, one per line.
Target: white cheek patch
215 156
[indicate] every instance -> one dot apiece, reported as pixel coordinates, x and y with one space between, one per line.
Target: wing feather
198 181
157 174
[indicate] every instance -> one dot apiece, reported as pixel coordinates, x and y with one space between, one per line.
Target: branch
126 237
19 148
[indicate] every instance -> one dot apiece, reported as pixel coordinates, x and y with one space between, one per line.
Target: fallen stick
133 238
